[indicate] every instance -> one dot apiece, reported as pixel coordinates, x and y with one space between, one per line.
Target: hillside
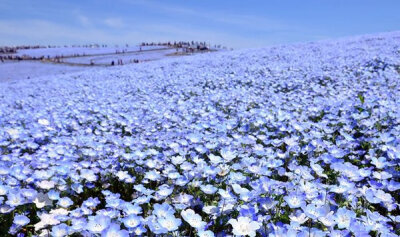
284 140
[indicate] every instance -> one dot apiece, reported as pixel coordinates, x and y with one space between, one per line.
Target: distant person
112 63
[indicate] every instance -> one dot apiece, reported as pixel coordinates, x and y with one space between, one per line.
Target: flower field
291 140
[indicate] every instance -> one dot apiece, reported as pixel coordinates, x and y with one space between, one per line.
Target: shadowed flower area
290 140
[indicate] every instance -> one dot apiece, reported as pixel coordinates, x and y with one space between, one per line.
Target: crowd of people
121 62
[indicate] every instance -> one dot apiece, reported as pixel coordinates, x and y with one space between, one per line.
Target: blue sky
233 23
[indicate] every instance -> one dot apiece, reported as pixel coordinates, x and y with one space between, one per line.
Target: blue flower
205 233
60 230
383 197
370 196
340 233
138 230
165 191
169 222
228 154
132 221
130 209
379 163
163 210
393 185
344 218
113 202
15 199
314 211
91 202
98 223
78 224
154 225
208 189
21 220
152 175
3 190
114 230
65 202
53 195
248 211
29 193
295 200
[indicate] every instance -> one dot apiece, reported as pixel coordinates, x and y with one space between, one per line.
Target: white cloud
217 27
260 23
84 20
114 22
36 31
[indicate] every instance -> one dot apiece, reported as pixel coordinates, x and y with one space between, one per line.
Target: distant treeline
9 53
14 49
183 44
175 44
19 58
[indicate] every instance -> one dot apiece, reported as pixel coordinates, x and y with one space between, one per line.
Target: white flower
244 226
46 220
206 233
46 184
14 133
59 211
44 122
42 200
193 219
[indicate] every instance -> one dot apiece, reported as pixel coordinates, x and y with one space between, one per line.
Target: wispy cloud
130 21
84 26
84 20
35 31
252 22
114 22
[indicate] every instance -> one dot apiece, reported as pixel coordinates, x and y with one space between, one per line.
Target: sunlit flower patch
296 140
